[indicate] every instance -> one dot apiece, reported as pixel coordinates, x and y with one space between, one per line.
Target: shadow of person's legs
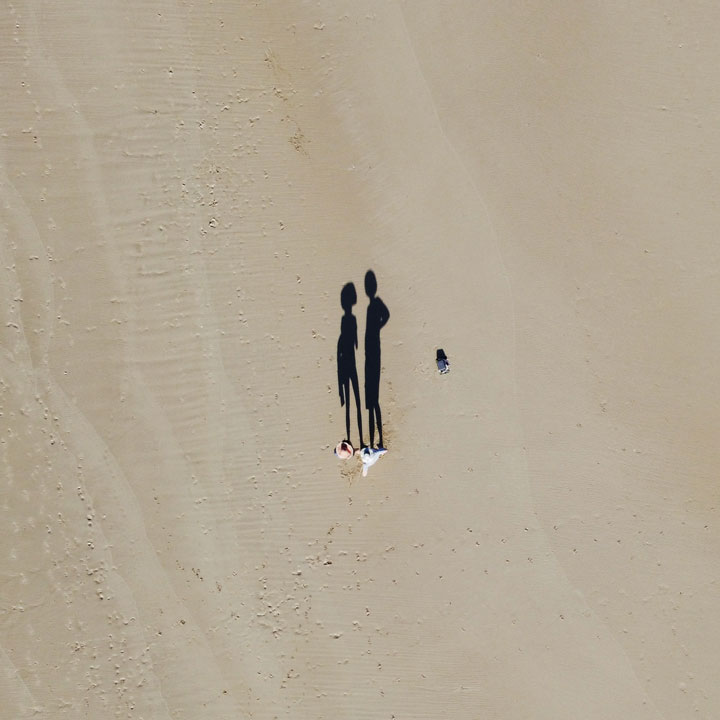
356 392
378 416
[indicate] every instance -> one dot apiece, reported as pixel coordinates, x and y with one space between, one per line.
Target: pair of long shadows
377 317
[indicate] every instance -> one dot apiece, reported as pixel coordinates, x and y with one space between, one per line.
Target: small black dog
443 364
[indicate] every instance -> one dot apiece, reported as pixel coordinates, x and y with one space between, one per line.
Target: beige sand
186 187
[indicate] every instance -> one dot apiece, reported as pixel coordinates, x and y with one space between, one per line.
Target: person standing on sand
346 367
369 457
377 317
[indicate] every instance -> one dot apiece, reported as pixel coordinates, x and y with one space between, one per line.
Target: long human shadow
346 367
377 317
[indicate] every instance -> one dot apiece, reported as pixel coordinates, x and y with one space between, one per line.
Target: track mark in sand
350 472
298 141
284 90
38 285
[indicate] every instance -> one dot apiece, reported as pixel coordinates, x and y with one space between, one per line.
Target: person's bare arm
384 313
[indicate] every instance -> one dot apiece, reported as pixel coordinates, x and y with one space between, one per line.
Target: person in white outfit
369 457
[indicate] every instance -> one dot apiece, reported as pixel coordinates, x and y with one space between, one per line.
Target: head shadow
348 297
370 284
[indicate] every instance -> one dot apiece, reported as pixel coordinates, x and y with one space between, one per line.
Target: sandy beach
186 189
